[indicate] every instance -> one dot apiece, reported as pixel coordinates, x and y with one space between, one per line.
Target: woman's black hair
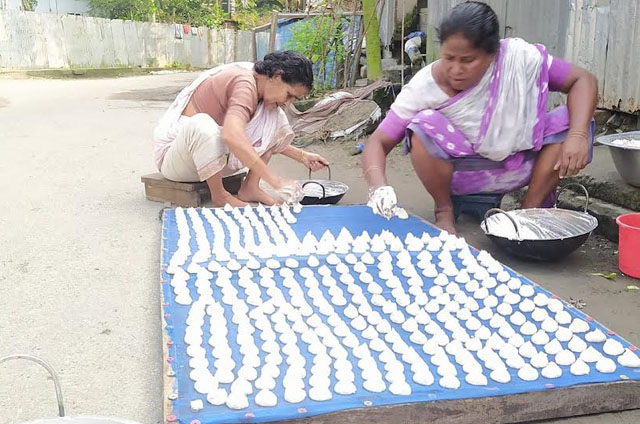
293 67
476 21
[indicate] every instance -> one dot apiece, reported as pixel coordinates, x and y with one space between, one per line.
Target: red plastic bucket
629 244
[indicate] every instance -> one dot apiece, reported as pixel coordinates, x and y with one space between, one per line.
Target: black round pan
571 229
326 192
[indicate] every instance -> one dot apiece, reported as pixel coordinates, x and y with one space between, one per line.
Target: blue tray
318 219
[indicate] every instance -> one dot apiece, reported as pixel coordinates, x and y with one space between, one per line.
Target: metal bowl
322 192
539 234
62 418
626 158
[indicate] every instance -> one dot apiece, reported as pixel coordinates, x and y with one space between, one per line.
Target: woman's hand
574 155
289 191
314 161
582 92
383 201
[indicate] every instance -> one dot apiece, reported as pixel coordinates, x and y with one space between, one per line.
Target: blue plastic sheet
356 219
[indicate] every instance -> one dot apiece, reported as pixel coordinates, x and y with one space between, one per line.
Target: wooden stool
158 189
475 204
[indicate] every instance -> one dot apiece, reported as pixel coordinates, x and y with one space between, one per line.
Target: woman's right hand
383 201
289 191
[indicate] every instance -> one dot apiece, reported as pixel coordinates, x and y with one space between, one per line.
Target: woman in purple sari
476 120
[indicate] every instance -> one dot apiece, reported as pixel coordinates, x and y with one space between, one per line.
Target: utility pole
372 34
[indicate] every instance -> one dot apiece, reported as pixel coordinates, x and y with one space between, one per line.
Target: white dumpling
266 398
629 359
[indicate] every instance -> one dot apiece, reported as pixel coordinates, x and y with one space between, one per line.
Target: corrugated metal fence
600 35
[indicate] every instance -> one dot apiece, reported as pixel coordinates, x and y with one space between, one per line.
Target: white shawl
268 128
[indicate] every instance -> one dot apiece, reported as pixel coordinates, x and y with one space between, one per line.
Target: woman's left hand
314 161
574 156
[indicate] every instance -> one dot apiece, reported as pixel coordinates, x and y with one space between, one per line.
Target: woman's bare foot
445 219
225 198
255 195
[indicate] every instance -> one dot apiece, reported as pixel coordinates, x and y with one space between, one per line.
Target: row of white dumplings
277 219
285 242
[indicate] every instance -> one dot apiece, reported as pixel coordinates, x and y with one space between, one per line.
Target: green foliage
195 12
321 40
255 12
137 10
269 5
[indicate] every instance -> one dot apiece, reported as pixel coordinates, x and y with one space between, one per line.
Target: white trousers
198 151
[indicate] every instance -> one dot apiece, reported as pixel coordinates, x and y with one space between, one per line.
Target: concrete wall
11 4
80 7
30 40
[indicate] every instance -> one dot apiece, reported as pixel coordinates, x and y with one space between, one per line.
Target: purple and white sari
493 131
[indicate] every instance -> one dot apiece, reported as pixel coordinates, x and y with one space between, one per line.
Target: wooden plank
159 189
261 28
542 405
272 34
158 180
159 193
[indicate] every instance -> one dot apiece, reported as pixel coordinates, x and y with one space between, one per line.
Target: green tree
194 12
136 10
322 40
249 13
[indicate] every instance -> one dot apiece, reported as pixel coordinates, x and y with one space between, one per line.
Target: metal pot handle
324 191
52 373
328 167
586 193
498 210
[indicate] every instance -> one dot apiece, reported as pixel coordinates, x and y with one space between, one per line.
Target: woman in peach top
229 119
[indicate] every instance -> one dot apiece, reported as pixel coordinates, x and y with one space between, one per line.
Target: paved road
80 247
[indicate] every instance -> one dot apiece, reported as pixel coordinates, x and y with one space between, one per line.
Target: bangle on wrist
578 133
253 162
